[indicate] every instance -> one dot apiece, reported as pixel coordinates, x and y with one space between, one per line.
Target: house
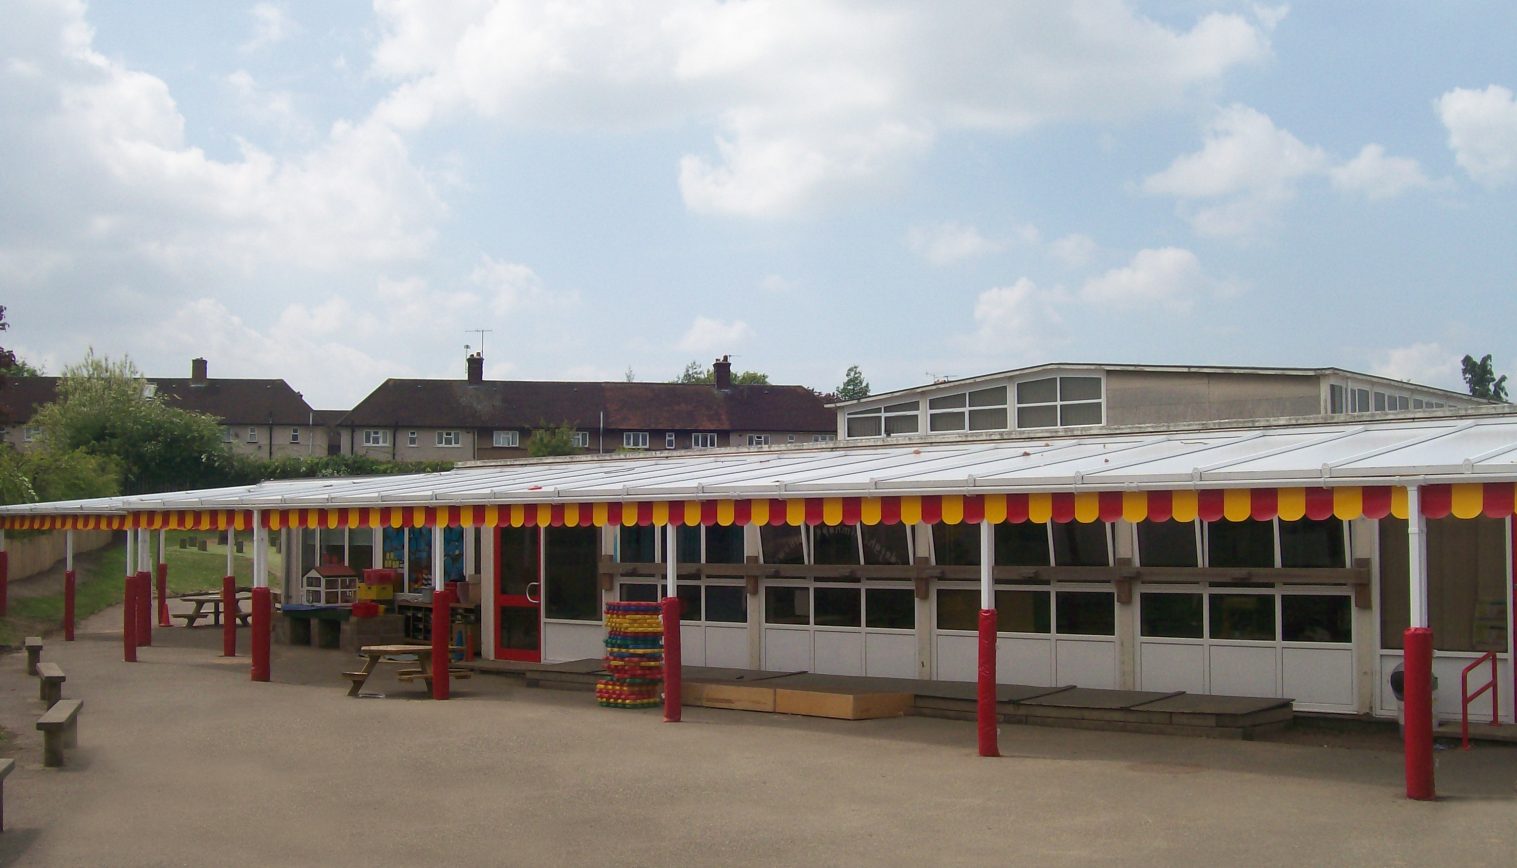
475 418
1088 396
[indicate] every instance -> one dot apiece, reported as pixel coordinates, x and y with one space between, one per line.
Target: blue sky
335 193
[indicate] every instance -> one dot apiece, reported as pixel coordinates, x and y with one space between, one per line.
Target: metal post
144 588
69 586
985 699
669 608
263 605
129 607
229 599
163 579
1417 653
442 619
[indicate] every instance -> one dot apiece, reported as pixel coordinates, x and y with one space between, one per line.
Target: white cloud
1482 126
274 108
271 25
1425 363
1378 176
711 336
1074 250
1011 322
778 284
808 101
947 243
1169 277
512 288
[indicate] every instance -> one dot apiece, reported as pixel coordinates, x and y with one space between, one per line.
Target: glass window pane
689 544
571 585
864 426
993 397
517 550
958 609
1167 544
1087 613
1466 578
781 545
689 601
1308 543
1316 618
1176 616
886 544
360 549
1079 388
1045 391
835 545
639 593
949 401
1022 545
1037 417
1243 616
1336 399
901 424
1081 545
903 407
987 420
726 604
724 545
636 545
956 544
890 608
1394 585
947 421
837 607
1022 612
418 559
1240 544
1080 414
787 605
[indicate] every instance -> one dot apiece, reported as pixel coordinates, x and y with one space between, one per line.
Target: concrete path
184 761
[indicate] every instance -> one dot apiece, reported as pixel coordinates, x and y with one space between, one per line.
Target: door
518 594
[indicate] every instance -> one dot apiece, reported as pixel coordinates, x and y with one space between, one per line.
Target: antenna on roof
938 378
481 333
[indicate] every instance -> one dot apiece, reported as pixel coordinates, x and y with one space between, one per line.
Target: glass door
518 598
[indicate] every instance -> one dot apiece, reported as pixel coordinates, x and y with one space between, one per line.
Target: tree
854 385
552 440
7 358
1482 380
694 373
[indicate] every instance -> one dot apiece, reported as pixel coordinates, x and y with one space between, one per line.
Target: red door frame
501 601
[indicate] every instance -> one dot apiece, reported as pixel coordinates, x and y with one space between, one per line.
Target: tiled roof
237 402
21 397
627 406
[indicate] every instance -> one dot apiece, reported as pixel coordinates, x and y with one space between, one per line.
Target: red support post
1418 664
129 619
263 610
229 624
442 634
5 582
985 698
70 587
163 594
673 683
144 608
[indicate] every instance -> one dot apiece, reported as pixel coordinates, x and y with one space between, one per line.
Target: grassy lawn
100 586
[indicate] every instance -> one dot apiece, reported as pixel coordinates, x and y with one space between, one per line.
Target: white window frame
965 407
376 437
669 440
505 439
1059 402
295 435
824 438
31 433
252 434
634 439
703 440
449 439
757 439
227 434
582 439
886 413
411 438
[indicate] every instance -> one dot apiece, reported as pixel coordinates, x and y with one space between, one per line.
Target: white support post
1416 533
68 550
671 550
437 572
987 565
131 537
260 552
144 551
163 538
231 546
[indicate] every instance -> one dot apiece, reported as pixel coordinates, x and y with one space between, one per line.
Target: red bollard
69 589
442 627
229 625
263 610
1418 732
144 608
163 594
985 704
129 620
673 683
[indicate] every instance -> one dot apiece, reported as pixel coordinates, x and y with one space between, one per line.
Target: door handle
530 586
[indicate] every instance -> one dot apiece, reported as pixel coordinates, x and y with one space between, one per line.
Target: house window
450 438
226 435
294 435
376 437
758 439
252 434
823 438
703 441
410 438
634 439
976 410
1056 402
669 440
31 433
506 439
889 420
582 439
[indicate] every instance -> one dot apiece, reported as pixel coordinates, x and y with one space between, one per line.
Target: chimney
197 372
476 363
721 374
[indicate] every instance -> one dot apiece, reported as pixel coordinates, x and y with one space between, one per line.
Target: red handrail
1466 697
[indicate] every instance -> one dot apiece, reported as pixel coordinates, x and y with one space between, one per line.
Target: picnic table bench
59 726
416 658
50 679
213 602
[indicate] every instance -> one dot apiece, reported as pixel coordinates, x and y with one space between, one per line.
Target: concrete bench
50 676
33 653
60 729
6 767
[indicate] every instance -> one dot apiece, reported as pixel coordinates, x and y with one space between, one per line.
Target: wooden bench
60 729
6 767
50 676
33 654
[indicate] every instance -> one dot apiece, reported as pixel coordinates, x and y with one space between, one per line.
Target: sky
335 193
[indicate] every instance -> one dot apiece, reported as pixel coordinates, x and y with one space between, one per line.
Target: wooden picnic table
417 660
213 601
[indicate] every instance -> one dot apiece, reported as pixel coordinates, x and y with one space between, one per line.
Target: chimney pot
721 373
476 367
198 371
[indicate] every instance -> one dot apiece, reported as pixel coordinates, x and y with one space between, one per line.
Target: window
252 434
1466 582
824 438
889 420
31 433
294 435
1081 545
571 584
1176 616
410 438
956 544
1016 611
784 604
582 439
1240 544
890 609
758 439
226 435
727 604
1022 544
634 439
886 544
1167 544
1053 402
637 545
669 440
506 439
376 437
1086 613
1309 543
1242 616
977 410
782 544
836 545
450 438
703 441
789 438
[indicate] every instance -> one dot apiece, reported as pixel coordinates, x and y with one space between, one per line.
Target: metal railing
1466 697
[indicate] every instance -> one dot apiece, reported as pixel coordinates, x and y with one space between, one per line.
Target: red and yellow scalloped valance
1494 500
